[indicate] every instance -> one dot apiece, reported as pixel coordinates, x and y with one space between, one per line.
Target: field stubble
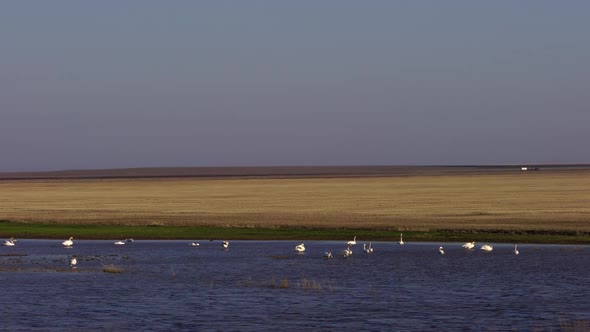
513 202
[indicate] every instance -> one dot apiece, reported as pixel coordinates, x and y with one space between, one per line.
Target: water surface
260 285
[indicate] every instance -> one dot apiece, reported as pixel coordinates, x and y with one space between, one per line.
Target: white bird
68 243
516 252
328 255
469 245
347 252
225 244
9 243
368 249
441 250
119 243
73 262
351 243
300 248
487 247
401 239
194 244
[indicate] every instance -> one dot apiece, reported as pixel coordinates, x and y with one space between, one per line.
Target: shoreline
107 232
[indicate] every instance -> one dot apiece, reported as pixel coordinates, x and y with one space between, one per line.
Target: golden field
543 200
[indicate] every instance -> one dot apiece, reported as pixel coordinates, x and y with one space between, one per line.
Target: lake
266 285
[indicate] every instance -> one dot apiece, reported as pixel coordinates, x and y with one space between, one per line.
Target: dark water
254 286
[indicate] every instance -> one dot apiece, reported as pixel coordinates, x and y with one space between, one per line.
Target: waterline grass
59 231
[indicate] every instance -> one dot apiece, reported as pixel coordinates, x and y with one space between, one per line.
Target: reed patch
111 268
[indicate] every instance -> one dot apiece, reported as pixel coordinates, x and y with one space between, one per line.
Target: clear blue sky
110 83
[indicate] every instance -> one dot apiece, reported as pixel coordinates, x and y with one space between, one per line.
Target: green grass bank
59 231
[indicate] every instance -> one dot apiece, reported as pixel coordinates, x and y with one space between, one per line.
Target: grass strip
59 231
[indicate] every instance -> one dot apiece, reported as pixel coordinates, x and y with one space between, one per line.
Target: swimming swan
225 244
347 252
73 262
441 250
469 245
300 248
516 252
487 247
68 242
368 249
401 240
9 243
194 244
351 243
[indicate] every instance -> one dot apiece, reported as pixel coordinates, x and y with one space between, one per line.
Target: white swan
68 243
73 262
516 252
9 243
351 243
194 244
368 249
401 239
441 250
300 248
487 247
225 244
119 243
347 252
468 245
328 255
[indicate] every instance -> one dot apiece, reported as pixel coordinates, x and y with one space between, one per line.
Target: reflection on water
259 285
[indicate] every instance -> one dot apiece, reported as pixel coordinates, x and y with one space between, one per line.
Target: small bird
73 262
441 250
194 244
225 244
516 252
68 243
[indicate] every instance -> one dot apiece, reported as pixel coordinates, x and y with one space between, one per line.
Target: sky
116 84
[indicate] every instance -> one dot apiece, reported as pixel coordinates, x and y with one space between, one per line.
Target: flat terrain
407 199
276 172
